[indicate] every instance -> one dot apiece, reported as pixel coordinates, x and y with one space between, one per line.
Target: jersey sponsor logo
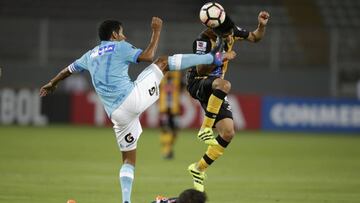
106 49
201 46
103 50
129 138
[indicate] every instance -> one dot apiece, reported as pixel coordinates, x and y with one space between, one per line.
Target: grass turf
53 164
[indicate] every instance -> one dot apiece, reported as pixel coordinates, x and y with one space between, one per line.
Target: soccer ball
212 14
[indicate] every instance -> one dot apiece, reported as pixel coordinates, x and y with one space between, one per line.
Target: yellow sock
213 152
171 141
166 140
213 107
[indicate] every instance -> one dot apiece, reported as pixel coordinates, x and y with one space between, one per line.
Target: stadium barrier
251 112
310 114
88 109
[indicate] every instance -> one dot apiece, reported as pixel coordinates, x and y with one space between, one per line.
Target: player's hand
156 23
47 89
263 18
229 55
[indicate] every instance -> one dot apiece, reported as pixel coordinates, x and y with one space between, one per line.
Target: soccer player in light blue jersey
123 99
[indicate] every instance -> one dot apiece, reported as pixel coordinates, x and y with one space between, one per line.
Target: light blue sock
126 179
183 61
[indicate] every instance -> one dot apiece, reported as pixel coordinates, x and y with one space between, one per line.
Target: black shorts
168 121
201 89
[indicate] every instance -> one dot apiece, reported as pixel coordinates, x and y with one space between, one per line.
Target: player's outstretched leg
183 61
221 89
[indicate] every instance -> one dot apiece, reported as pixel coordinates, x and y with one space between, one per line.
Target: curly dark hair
192 196
107 27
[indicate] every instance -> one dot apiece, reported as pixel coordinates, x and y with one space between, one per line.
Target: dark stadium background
295 96
311 50
311 47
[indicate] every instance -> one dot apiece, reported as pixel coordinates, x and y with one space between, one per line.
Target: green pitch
54 164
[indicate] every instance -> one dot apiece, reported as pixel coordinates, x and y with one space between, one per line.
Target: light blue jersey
108 65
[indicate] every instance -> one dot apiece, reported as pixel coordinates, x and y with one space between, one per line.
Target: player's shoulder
91 52
124 45
120 44
202 44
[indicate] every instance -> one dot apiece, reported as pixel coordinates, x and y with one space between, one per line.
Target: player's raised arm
52 84
259 33
149 53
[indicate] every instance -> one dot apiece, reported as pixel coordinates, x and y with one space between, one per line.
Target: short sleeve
240 33
130 52
79 65
201 46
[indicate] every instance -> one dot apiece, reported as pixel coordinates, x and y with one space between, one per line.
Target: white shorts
125 118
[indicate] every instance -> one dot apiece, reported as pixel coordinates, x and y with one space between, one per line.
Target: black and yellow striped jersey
170 92
207 40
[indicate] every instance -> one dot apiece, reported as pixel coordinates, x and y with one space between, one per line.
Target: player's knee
228 134
226 86
162 63
223 85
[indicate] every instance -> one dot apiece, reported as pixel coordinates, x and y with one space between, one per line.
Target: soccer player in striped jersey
206 83
124 100
171 87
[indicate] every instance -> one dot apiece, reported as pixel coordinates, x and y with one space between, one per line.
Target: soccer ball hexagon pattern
212 14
